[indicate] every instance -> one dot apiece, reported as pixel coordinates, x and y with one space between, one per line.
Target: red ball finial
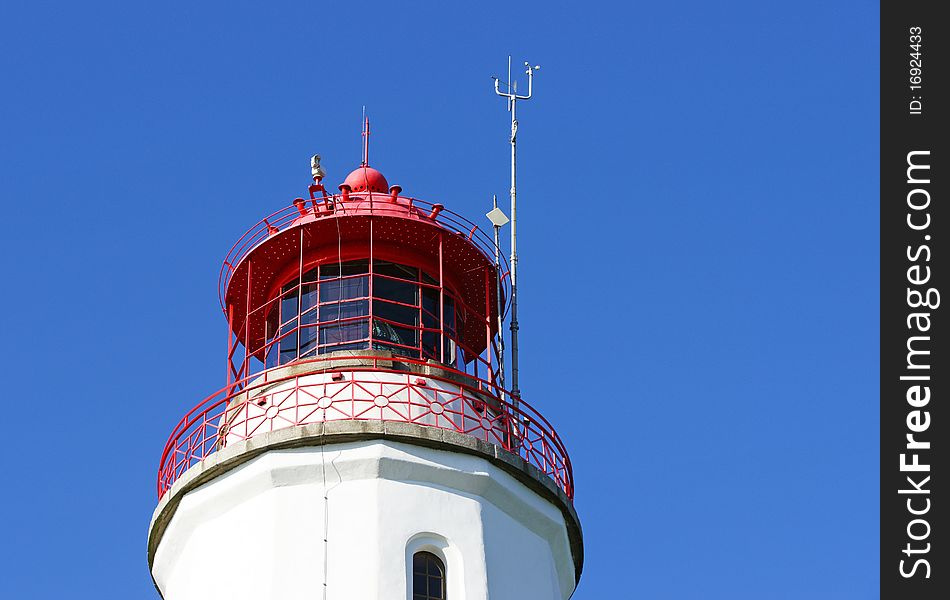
367 179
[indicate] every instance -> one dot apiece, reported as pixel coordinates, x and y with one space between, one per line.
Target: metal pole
511 94
515 391
501 339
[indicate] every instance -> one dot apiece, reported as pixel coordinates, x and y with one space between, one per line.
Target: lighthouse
364 445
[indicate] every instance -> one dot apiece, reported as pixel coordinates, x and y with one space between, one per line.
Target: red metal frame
483 359
274 400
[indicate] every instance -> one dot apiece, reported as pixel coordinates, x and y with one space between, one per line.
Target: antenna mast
511 94
365 162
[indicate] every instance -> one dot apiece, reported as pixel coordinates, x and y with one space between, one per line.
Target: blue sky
699 248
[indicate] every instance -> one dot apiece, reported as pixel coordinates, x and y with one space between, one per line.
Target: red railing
370 203
335 389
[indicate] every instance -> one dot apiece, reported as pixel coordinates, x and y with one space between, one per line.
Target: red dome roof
367 178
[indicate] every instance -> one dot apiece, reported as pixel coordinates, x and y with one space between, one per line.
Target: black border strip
915 372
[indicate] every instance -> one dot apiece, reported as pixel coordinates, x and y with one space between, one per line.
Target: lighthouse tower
364 446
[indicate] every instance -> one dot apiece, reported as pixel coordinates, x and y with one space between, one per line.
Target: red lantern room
364 305
368 269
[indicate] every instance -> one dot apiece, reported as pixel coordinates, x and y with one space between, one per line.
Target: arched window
428 577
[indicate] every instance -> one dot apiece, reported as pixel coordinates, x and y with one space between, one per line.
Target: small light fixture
497 217
316 171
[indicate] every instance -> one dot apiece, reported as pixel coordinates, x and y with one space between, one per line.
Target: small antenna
509 81
511 95
365 162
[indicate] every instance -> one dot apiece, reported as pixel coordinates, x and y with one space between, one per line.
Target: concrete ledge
337 432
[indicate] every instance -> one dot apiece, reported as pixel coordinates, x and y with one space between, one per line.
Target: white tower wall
257 531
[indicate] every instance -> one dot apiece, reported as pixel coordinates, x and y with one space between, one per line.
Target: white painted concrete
257 532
